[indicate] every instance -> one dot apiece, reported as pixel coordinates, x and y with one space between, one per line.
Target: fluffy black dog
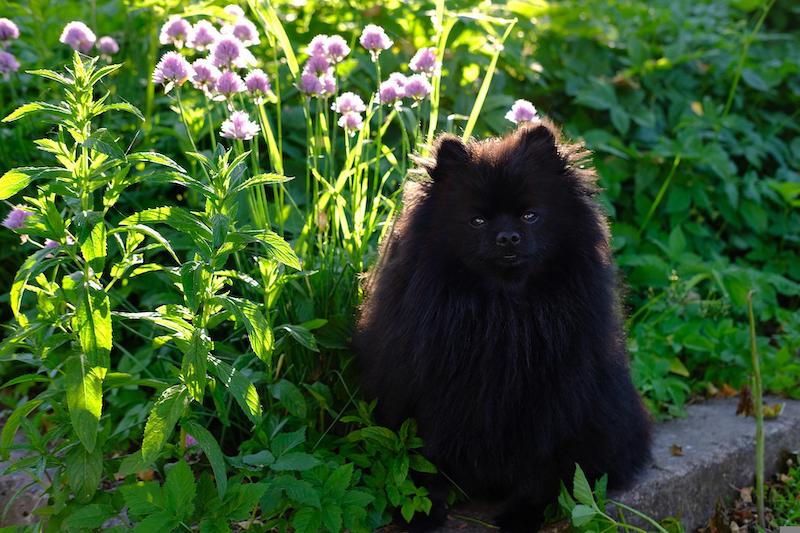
493 319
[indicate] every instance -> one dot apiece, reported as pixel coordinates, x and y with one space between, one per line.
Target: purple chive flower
244 30
234 11
190 441
351 122
16 218
317 46
78 35
8 64
390 92
424 61
205 75
317 65
8 30
310 84
417 87
239 126
176 30
172 69
226 51
349 103
257 85
336 48
107 46
50 244
203 35
522 111
328 81
228 84
374 39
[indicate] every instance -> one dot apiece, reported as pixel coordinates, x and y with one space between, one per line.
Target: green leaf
296 461
240 387
290 397
284 442
193 366
13 181
34 107
242 499
51 75
163 417
126 107
92 321
180 490
90 516
301 335
159 522
93 242
421 464
193 286
102 141
260 179
300 491
278 249
258 329
582 514
33 265
581 488
381 436
84 388
13 422
84 471
102 72
150 232
307 520
332 517
176 217
272 26
213 452
356 498
338 481
143 497
155 157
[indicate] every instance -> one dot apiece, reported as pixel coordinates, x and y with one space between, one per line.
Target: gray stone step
718 457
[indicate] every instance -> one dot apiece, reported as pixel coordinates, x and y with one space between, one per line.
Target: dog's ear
450 157
538 140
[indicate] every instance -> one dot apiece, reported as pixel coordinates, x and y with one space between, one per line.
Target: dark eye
530 217
477 222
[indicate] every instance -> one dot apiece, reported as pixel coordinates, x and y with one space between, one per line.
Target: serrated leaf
92 321
290 397
124 106
356 498
307 520
34 107
301 335
84 389
90 516
581 488
260 179
300 491
258 330
159 522
176 217
240 387
284 442
84 470
150 232
142 498
163 417
582 514
51 75
12 182
180 490
278 249
155 157
338 481
295 461
243 498
332 517
213 452
193 365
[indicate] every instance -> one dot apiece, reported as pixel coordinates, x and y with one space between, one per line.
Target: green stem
210 122
757 394
660 195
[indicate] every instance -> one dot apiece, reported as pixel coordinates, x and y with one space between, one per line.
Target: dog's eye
477 222
530 217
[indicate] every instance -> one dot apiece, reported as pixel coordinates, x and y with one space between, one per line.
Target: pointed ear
539 141
450 156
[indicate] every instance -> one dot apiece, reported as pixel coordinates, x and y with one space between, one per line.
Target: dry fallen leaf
146 475
727 391
676 450
745 406
746 494
773 411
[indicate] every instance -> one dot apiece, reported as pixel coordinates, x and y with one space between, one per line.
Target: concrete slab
718 456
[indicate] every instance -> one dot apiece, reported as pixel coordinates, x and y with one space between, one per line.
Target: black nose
507 238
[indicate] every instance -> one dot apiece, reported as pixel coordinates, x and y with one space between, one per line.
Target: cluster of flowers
521 112
216 75
8 32
80 37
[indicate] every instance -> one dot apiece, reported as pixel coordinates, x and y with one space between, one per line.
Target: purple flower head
349 103
424 61
107 46
374 39
16 218
521 111
203 35
336 49
172 69
328 81
190 441
257 85
317 46
205 75
50 244
226 51
417 87
234 11
392 90
8 64
244 30
78 35
317 65
228 84
351 122
8 30
310 84
239 126
176 30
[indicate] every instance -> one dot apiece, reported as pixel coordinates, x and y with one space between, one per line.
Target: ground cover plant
192 191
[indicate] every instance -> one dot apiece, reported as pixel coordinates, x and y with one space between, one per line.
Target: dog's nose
507 238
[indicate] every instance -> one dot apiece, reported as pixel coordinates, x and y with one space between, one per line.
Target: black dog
493 319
